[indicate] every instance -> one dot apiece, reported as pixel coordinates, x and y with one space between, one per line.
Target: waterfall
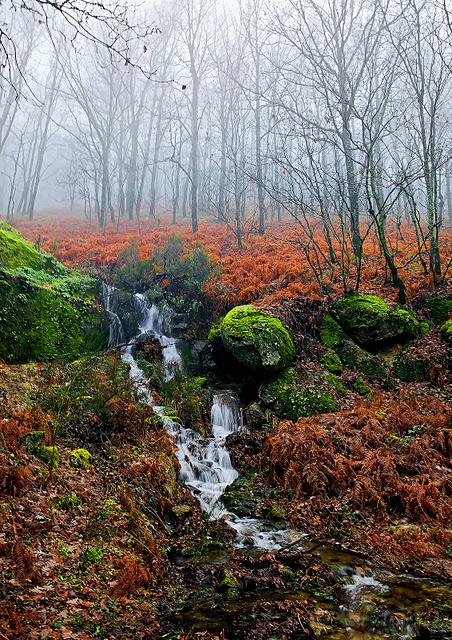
117 334
205 462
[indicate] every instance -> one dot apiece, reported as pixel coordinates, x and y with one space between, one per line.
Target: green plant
92 555
70 501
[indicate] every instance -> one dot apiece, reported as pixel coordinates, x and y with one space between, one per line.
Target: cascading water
206 464
117 334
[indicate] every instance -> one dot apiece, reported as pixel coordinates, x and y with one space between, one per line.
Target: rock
181 510
148 347
370 321
289 398
332 362
46 310
49 455
438 308
255 417
240 498
259 342
80 458
179 324
351 354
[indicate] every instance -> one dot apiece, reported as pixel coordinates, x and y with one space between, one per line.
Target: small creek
206 468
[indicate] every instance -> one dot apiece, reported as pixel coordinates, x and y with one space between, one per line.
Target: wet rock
148 347
439 627
255 416
259 342
179 324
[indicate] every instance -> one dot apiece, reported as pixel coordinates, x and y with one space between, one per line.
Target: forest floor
99 540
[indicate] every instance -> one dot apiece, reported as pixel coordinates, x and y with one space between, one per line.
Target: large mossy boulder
370 321
351 354
290 398
46 311
259 342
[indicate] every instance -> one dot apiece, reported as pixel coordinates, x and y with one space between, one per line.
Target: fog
334 110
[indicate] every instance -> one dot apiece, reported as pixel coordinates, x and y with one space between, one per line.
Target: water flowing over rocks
206 468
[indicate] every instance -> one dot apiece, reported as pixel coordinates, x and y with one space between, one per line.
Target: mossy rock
351 354
438 308
230 581
370 321
80 458
336 383
240 496
257 341
289 398
446 331
409 368
16 252
332 362
276 512
49 454
361 387
47 312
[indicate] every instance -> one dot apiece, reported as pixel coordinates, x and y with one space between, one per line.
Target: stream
206 468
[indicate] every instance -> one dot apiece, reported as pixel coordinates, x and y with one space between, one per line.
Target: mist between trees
335 114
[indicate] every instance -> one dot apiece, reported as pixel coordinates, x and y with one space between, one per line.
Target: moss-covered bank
47 312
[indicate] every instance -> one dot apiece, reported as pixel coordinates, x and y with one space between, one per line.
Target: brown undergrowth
377 476
83 550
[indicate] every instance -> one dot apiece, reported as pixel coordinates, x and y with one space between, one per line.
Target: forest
225 319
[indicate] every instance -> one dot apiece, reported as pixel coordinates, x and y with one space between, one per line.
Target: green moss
409 368
46 311
361 387
331 333
288 398
214 332
424 328
351 355
438 308
49 455
69 501
371 321
446 330
16 252
80 458
332 362
229 580
256 340
336 383
276 512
